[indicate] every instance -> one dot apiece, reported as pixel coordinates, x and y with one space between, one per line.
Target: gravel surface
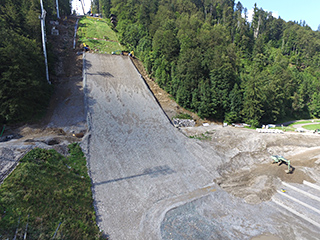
152 182
136 157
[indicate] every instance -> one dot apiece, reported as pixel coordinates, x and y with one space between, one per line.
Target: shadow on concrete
104 74
152 172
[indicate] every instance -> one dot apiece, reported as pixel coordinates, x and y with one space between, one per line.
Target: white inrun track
303 200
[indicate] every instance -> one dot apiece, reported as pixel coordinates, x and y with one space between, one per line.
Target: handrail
75 34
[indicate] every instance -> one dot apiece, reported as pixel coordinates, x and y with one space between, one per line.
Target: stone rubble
183 122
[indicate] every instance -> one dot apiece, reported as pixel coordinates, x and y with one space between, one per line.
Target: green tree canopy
24 91
214 62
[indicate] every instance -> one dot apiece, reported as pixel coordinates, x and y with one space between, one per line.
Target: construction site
152 180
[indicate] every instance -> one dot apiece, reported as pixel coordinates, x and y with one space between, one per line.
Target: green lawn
312 126
287 129
302 122
50 189
98 35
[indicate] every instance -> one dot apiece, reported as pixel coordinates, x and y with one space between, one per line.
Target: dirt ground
250 171
248 174
260 179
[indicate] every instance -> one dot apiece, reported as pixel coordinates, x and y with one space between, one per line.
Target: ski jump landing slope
140 165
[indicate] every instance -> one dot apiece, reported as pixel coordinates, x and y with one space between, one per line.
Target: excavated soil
254 182
250 174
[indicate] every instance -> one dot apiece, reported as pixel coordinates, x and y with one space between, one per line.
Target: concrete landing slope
140 165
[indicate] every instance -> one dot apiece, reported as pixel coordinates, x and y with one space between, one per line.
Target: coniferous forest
205 53
215 62
24 91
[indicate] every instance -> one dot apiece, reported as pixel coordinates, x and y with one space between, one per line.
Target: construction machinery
280 160
317 131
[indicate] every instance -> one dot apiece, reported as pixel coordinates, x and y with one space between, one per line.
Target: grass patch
50 189
98 35
172 98
203 136
303 122
93 28
287 129
312 127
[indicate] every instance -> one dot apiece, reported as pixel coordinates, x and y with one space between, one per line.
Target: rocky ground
241 170
250 170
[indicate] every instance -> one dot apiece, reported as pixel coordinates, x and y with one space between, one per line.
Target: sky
288 10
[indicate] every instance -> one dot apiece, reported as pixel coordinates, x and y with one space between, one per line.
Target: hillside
150 181
25 92
153 181
214 62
